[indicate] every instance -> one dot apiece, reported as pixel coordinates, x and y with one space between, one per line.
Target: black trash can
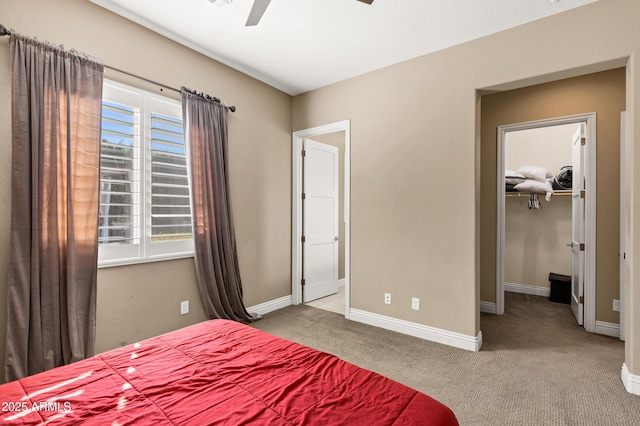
560 288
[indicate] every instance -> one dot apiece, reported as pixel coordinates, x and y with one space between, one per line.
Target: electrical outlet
184 307
387 298
415 304
616 305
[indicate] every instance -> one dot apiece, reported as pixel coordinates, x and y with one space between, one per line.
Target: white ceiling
300 45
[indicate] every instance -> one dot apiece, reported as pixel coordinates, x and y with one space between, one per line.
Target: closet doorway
528 249
331 135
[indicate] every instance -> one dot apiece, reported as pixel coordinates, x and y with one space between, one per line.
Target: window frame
145 104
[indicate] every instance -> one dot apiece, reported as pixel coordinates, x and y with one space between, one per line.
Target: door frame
296 203
578 236
589 119
623 224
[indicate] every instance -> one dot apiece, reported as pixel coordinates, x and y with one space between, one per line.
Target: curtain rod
231 108
5 32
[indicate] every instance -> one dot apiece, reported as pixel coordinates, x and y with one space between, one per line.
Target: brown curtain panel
216 260
55 111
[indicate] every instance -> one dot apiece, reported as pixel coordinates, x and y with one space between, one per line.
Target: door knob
335 238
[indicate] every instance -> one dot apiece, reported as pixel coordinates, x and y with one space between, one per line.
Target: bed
216 372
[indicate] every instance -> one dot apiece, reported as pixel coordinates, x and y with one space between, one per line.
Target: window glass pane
119 178
170 202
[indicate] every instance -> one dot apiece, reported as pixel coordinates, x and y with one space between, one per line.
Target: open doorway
557 235
602 93
320 199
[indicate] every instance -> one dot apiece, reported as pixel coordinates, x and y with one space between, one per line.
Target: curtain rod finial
232 108
4 31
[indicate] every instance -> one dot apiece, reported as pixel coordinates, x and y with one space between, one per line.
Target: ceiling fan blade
366 1
257 10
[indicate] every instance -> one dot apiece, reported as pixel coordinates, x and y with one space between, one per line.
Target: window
145 206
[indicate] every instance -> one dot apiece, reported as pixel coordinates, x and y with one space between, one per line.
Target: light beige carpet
536 366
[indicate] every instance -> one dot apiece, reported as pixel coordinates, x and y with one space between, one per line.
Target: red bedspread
216 372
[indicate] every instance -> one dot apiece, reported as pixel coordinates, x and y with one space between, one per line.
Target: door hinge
302 282
582 194
582 300
304 153
583 141
581 246
303 239
304 196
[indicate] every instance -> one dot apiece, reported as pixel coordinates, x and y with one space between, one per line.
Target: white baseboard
488 307
533 290
631 381
270 306
341 282
608 329
425 332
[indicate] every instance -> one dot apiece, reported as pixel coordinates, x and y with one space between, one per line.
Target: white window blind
170 202
119 176
145 207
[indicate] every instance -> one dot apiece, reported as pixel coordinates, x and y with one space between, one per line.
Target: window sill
136 261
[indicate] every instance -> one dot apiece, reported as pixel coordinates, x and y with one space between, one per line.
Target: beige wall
535 240
603 93
548 147
416 159
140 301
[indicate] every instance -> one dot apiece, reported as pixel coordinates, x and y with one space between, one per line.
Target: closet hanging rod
5 32
560 193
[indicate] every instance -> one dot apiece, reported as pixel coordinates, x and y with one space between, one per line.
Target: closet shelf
562 193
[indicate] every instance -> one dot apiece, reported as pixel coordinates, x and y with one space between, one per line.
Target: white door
577 234
319 220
